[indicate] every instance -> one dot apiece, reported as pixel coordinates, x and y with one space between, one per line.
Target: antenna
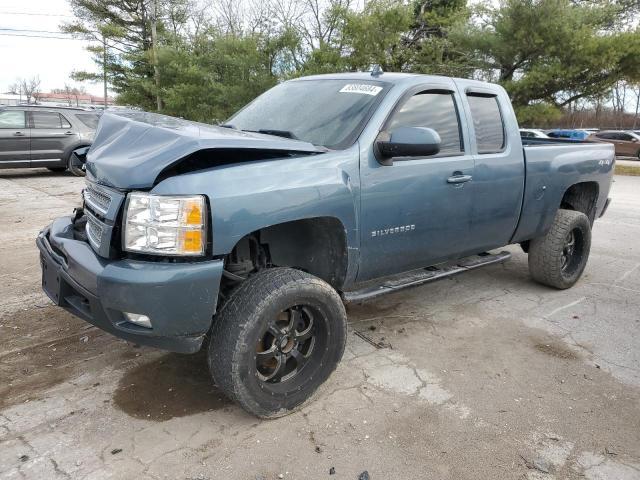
376 70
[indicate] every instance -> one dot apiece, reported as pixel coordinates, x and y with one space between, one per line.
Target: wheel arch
582 197
75 146
316 245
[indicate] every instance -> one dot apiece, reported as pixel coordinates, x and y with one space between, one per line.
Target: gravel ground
486 376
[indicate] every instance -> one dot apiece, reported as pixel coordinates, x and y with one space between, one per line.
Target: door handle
459 179
18 134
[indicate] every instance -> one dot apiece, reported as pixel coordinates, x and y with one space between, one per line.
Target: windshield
331 113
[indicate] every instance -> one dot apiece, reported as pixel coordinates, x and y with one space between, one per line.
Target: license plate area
52 283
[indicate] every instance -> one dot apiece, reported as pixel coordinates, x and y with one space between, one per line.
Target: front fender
251 196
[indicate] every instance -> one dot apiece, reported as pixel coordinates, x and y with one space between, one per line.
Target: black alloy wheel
276 340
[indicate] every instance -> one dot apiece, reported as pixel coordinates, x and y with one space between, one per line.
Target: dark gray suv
36 136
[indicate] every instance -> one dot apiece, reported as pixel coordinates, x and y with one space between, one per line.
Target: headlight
165 225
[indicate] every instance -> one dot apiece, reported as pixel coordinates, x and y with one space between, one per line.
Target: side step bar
424 275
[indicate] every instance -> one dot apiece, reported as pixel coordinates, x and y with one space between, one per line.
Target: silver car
36 136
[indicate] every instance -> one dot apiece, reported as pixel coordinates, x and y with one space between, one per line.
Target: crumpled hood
132 148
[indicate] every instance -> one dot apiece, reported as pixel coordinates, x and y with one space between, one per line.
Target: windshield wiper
277 133
227 125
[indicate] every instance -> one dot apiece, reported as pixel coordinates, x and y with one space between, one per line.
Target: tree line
203 62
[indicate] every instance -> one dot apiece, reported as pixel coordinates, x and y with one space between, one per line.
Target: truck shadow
172 385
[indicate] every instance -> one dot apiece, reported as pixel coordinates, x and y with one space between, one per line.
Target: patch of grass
627 170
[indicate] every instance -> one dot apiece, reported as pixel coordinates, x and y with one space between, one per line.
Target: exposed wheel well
315 245
67 155
582 197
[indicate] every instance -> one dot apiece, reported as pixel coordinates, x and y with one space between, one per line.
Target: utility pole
104 68
154 47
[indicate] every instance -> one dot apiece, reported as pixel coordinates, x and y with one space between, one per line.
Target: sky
52 59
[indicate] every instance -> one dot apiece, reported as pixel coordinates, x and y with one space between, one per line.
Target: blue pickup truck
248 238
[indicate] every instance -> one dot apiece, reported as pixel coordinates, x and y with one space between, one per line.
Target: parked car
37 136
577 135
324 190
532 133
627 144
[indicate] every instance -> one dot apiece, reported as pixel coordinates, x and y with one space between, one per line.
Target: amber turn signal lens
194 214
192 241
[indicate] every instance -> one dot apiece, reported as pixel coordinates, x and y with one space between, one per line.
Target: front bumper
179 298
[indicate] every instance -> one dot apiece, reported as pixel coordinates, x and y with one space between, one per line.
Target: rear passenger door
51 137
14 139
498 179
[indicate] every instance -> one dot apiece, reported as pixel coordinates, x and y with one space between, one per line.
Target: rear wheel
558 258
276 340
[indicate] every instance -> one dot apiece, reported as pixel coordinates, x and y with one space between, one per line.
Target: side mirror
406 142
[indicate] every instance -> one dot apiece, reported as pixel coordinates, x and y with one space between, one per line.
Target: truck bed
533 142
551 167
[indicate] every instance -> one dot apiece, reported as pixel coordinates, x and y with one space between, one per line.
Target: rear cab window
12 119
487 122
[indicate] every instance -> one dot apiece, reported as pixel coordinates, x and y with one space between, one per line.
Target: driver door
417 211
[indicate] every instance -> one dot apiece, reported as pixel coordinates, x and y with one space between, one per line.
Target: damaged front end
133 150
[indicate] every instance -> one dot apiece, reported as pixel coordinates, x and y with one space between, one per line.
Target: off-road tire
546 252
241 323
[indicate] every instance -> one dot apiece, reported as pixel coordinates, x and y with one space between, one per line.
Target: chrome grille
97 199
102 205
94 231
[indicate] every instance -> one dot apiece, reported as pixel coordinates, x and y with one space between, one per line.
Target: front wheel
276 340
558 258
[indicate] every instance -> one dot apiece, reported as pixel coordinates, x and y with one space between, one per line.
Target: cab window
487 123
436 110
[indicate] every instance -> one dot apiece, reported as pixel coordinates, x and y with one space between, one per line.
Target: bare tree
619 99
322 19
30 87
15 88
68 91
230 16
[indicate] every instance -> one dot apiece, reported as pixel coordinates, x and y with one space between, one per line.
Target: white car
532 133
